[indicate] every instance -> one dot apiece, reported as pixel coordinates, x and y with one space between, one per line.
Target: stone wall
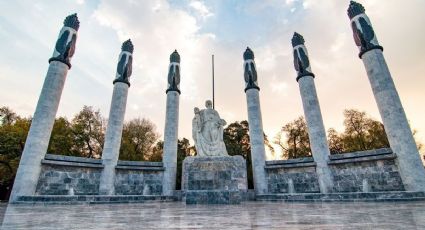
138 178
292 176
66 175
367 171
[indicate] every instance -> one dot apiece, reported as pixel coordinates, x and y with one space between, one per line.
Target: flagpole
213 98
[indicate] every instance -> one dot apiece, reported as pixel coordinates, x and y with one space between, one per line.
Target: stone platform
92 199
344 197
214 180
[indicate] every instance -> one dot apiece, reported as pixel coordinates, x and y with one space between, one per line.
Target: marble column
44 117
171 126
392 113
313 115
255 121
111 148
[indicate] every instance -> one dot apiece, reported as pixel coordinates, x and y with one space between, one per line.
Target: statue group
207 132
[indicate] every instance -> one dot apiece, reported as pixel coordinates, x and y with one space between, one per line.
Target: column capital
363 32
65 45
301 60
250 74
125 63
174 73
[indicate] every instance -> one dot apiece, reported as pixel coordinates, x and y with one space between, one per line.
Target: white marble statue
207 132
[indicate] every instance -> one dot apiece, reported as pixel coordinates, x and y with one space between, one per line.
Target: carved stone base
214 180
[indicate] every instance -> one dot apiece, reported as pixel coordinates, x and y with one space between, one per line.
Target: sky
198 29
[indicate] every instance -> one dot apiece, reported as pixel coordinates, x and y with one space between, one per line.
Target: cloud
198 29
200 8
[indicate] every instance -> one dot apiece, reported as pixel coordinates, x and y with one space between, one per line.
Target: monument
212 176
207 132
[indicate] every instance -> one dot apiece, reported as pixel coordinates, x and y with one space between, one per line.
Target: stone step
350 197
92 199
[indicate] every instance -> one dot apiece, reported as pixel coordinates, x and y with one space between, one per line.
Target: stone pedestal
214 180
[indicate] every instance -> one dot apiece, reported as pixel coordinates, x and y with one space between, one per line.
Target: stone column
392 113
44 117
171 126
111 148
255 121
312 113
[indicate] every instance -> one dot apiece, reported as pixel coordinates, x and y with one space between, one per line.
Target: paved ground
249 215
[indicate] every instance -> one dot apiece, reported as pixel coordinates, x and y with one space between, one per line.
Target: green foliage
89 132
13 133
293 140
361 133
138 139
184 149
62 138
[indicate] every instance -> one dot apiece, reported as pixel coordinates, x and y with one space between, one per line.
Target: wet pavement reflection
249 215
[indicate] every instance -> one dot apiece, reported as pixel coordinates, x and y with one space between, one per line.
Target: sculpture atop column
44 116
363 32
255 121
207 132
125 63
174 73
65 45
301 61
113 135
171 125
312 113
250 74
392 112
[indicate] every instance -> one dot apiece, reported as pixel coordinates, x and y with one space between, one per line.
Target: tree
7 116
293 139
157 151
89 132
183 150
61 140
335 142
138 139
13 134
362 133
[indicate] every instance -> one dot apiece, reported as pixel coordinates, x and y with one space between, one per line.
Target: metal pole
213 98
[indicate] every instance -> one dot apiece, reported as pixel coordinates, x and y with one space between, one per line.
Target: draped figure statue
207 132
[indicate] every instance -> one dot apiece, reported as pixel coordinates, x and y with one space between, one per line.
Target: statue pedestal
214 180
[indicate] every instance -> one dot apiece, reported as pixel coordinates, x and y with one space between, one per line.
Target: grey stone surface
345 197
140 163
138 182
256 135
68 180
41 127
170 142
54 157
316 132
212 180
113 135
213 197
395 121
249 215
300 179
361 154
214 173
380 174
